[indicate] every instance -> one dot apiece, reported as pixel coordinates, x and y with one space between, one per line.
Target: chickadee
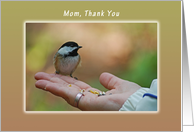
67 59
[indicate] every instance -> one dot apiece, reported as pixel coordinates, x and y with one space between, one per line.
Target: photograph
98 66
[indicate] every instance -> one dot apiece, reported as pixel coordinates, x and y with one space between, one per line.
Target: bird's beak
79 47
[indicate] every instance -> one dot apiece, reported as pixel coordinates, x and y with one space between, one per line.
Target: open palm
67 88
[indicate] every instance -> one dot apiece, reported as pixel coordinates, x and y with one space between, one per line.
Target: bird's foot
76 78
73 77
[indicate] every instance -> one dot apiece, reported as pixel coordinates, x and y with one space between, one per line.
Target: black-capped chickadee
67 59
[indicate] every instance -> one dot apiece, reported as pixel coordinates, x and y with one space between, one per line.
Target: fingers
59 85
64 91
41 84
50 77
41 75
49 86
110 81
56 78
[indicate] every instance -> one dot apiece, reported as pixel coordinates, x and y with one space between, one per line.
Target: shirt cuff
131 103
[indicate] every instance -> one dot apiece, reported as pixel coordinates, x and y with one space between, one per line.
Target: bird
67 59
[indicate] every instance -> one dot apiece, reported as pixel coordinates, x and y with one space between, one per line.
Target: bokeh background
127 50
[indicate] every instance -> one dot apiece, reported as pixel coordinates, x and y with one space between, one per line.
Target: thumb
110 81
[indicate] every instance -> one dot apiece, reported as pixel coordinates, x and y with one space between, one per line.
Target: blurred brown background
127 50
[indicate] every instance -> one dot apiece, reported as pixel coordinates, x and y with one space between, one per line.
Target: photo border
89 112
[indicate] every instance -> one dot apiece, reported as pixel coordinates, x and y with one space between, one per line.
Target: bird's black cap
70 44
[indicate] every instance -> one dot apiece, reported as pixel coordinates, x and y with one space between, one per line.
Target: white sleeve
136 102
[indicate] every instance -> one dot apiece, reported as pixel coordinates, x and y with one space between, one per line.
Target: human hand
119 90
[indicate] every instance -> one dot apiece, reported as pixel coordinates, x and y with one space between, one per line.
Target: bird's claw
73 77
76 78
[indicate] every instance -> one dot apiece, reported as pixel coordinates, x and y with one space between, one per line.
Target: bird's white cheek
63 51
66 50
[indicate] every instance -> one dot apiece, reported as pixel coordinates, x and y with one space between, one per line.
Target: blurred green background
127 50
